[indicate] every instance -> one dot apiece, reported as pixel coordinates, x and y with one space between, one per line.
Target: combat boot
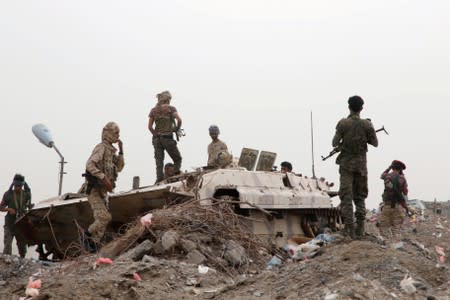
359 231
348 231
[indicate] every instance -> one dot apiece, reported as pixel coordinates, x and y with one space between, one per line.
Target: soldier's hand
107 184
119 142
11 211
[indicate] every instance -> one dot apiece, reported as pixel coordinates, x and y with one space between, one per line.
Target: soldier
352 136
163 115
102 169
169 170
16 201
215 147
395 190
286 167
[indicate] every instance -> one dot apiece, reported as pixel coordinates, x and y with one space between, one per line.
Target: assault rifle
338 148
92 182
179 133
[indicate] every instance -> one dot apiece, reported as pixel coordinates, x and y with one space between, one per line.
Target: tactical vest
355 139
392 190
165 123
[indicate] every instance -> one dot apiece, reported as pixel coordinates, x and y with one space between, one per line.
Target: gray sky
255 68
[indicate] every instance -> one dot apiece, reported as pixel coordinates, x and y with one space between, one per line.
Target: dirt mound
183 256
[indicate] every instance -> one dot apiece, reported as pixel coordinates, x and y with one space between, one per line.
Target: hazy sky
255 68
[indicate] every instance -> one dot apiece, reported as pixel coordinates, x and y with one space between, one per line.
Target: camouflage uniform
352 136
163 116
392 214
103 162
214 148
20 202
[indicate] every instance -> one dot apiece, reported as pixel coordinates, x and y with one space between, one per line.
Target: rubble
206 255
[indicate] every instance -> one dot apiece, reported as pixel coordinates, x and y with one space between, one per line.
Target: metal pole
312 147
61 169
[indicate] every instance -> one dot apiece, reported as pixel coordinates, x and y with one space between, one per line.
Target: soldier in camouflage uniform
167 121
16 201
395 190
103 165
215 147
352 136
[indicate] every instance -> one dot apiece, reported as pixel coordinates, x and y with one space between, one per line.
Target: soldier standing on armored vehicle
352 136
163 115
16 201
102 169
215 147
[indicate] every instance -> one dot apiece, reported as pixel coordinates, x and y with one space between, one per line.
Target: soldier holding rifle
351 138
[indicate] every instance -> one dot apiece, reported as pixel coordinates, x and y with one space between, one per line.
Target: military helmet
214 129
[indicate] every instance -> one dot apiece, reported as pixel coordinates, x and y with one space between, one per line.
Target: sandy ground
367 269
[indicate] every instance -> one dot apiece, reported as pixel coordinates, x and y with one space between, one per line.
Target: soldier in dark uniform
352 136
167 121
16 201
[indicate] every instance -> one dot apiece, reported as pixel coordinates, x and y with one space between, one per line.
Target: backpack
392 190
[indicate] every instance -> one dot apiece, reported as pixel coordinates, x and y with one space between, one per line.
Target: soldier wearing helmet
102 169
215 148
352 136
16 201
163 121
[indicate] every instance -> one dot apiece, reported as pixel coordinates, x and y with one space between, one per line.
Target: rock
138 252
331 297
187 245
235 253
169 239
150 259
195 257
258 294
158 247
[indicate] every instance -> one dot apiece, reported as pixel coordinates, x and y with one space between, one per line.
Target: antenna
312 147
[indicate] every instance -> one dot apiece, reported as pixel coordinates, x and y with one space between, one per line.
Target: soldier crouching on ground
102 170
16 201
352 136
395 190
163 115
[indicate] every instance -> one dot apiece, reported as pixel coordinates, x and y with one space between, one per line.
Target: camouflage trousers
353 189
9 234
391 220
161 144
102 217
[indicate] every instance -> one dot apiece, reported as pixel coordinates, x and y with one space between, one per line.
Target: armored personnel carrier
279 205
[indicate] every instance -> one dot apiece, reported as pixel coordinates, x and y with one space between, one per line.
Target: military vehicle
279 205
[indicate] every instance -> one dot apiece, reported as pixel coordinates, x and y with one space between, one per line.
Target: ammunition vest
165 123
355 139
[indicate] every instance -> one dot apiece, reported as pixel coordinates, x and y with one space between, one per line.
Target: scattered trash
303 251
440 250
33 287
331 296
147 219
274 262
407 284
137 277
358 277
323 237
103 260
203 269
397 245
